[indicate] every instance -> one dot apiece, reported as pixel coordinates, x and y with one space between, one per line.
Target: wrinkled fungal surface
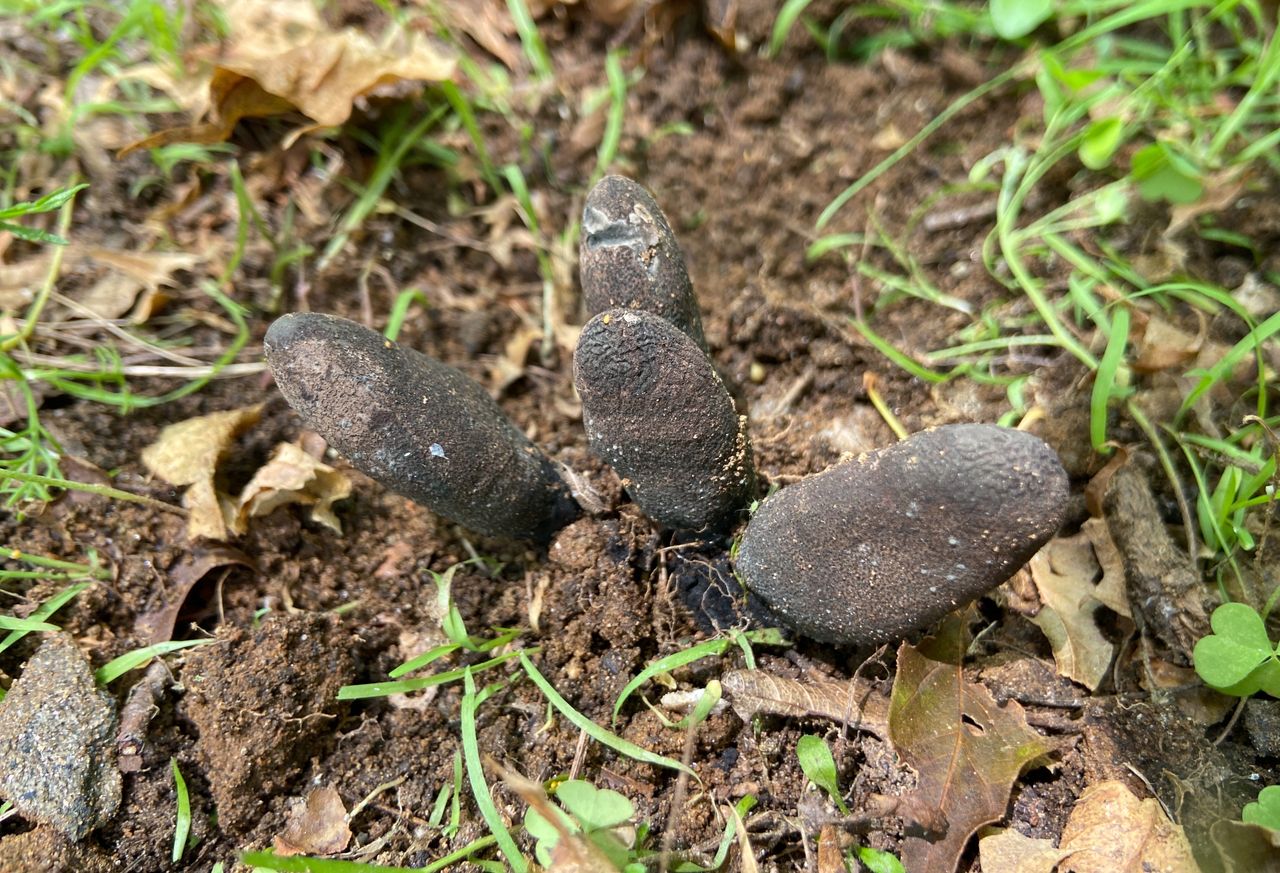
886 544
655 409
629 257
418 426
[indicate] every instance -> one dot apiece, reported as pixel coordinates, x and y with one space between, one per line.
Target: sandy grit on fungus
418 426
886 544
657 412
629 257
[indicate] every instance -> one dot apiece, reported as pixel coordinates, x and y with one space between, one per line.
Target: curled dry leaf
1064 573
188 452
282 56
1111 831
754 692
966 749
317 825
293 476
156 626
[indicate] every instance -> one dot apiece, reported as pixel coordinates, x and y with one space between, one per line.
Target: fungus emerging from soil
875 548
656 410
863 553
630 259
420 427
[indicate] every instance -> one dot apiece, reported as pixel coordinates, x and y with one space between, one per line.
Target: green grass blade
404 686
117 667
911 365
534 48
10 623
182 821
1222 370
787 17
593 730
46 609
475 775
608 150
671 662
1104 380
299 864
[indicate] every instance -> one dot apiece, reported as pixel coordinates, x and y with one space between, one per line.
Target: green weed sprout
820 767
1238 658
600 815
818 764
1265 810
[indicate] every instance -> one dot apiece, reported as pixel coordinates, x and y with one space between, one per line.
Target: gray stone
57 742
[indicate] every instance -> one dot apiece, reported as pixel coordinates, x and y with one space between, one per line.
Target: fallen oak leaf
1064 572
1111 831
966 750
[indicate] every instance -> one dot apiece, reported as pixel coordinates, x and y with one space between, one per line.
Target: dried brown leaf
1110 590
488 23
317 825
966 750
754 692
156 626
1009 851
188 452
293 476
282 56
1111 831
1164 346
1064 572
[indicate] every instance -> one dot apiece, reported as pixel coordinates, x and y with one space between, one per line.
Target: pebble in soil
883 545
418 426
57 742
655 409
630 258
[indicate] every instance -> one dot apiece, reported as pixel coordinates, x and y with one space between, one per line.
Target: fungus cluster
865 552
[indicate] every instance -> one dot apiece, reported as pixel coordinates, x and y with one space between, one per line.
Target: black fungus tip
418 426
629 257
656 410
886 544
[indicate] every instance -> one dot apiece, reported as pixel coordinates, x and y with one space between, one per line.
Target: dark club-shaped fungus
418 426
656 410
886 544
630 259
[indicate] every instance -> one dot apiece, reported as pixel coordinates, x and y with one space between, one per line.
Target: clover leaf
1265 810
1238 658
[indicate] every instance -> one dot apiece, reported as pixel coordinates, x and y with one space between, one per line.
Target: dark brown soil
253 720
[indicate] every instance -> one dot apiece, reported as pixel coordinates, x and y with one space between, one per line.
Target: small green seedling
1238 658
600 815
1265 810
818 764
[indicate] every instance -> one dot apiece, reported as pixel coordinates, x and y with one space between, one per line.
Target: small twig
1235 716
137 713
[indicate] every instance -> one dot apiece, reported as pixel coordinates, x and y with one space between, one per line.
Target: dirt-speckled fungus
655 409
418 426
630 259
873 549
